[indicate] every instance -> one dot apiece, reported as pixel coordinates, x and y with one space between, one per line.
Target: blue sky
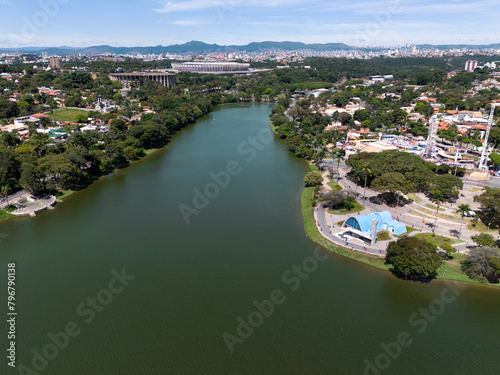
154 22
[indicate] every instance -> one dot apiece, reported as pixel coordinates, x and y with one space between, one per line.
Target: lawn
434 207
422 212
334 186
67 114
10 208
451 269
480 227
383 236
414 197
312 166
410 229
273 128
313 233
5 215
64 194
355 209
437 239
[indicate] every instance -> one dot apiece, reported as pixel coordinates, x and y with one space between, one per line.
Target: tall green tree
313 178
490 207
32 180
413 258
483 239
437 199
480 264
393 183
5 191
463 209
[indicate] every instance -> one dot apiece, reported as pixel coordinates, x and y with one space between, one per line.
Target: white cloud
185 23
184 6
193 5
455 7
273 24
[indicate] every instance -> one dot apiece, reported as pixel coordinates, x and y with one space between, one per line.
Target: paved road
354 244
13 198
494 182
406 215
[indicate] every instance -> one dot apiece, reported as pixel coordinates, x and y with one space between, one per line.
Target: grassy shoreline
450 270
313 234
273 128
5 216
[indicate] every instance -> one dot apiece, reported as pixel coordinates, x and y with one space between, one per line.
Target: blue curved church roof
385 216
364 222
399 228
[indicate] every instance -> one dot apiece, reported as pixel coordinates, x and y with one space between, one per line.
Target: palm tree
437 198
339 153
320 156
366 171
357 176
462 210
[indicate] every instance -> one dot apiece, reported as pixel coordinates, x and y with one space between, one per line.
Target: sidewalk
416 215
334 233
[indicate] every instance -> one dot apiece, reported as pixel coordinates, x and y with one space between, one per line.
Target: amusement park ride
431 151
484 159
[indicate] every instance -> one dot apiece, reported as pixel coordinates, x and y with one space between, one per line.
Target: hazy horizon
139 23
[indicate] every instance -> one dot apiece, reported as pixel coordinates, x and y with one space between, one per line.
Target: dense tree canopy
313 178
490 207
482 263
413 258
400 171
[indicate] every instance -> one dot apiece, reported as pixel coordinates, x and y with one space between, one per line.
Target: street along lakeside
446 272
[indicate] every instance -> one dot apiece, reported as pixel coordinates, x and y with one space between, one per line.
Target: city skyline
79 23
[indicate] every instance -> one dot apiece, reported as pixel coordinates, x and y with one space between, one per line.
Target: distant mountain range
195 47
192 47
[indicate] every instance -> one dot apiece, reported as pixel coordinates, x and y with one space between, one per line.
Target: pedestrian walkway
419 215
338 235
34 205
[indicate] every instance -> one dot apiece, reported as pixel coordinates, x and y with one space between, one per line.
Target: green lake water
194 282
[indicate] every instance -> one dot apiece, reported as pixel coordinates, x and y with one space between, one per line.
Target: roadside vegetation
312 232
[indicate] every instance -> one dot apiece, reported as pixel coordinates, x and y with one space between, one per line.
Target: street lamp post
338 168
364 191
435 221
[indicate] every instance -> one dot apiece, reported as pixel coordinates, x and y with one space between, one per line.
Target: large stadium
213 67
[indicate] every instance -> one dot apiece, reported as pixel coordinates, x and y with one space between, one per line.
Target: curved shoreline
312 232
69 193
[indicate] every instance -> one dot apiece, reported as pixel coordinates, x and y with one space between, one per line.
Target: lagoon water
193 282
